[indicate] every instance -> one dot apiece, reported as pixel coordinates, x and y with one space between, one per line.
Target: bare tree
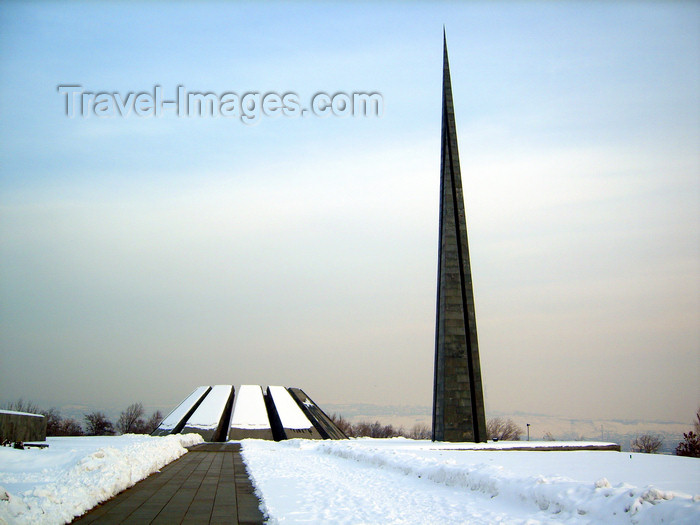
153 422
130 420
53 421
70 427
646 443
21 406
97 424
548 437
690 446
503 429
343 424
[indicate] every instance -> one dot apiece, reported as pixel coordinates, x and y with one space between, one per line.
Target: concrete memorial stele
458 399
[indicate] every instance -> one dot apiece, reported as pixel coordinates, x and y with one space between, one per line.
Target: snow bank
53 485
310 480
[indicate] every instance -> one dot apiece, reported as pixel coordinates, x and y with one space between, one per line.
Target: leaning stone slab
18 427
175 421
318 417
211 419
250 419
287 419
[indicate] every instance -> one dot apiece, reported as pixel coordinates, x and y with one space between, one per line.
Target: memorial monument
221 413
458 399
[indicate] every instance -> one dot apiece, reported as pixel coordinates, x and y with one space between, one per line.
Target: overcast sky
143 256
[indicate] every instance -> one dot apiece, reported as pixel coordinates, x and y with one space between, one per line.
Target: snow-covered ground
370 481
405 481
72 475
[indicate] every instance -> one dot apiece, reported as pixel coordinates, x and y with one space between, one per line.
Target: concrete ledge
18 427
536 447
236 434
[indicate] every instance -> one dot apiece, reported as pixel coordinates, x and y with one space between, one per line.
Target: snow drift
408 481
54 485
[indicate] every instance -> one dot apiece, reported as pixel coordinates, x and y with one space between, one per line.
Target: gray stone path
209 484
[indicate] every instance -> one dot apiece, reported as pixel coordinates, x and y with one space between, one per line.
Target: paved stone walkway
209 484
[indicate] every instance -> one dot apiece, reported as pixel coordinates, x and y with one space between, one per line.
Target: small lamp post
528 431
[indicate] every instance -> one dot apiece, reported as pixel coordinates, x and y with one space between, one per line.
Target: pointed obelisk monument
458 399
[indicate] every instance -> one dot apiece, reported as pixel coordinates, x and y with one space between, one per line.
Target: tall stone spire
458 399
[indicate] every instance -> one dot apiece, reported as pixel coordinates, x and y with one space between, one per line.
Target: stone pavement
209 484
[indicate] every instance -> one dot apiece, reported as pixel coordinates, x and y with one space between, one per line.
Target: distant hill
561 428
621 431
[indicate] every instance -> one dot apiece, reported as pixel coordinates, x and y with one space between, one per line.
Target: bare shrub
503 429
343 424
420 431
374 430
378 430
646 443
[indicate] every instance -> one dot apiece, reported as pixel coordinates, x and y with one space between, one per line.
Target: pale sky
143 256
